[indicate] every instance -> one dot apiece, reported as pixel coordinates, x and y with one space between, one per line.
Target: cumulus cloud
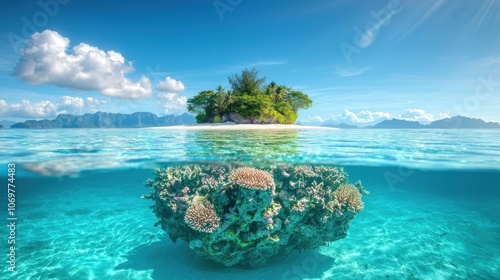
46 60
311 120
71 104
27 109
46 109
362 118
443 116
172 103
170 100
417 115
93 104
171 85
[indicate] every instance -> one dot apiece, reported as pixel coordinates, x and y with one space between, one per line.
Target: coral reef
252 178
244 215
350 196
202 217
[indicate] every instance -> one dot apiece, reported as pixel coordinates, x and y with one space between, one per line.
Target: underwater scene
159 203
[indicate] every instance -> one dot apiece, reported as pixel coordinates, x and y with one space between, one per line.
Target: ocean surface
432 213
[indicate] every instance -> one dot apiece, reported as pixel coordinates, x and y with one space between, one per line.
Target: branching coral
202 217
252 178
350 196
304 170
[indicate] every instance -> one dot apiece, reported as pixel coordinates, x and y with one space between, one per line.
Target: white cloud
417 115
46 109
27 109
350 72
267 63
71 104
311 119
170 100
94 104
45 60
172 103
171 85
443 116
362 118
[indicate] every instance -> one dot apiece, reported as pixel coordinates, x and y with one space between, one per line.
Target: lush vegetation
249 96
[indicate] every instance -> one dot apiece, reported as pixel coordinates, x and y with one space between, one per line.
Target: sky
359 61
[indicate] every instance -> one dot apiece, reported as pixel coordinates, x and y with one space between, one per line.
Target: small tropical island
249 101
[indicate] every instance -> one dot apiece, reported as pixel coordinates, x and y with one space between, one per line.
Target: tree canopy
249 96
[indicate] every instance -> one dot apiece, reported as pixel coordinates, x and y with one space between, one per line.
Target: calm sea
433 211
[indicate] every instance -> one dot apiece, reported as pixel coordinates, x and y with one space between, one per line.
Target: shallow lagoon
432 212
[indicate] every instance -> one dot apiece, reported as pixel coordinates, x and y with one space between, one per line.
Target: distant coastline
187 121
456 122
108 120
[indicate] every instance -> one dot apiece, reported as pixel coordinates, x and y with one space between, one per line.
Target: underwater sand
97 227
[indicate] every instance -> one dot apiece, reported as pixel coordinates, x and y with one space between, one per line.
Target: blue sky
359 61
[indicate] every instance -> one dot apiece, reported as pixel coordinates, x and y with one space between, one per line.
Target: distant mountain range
453 122
108 120
396 123
458 122
146 119
462 122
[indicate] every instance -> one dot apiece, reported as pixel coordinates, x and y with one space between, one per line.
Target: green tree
253 105
246 83
271 89
287 113
229 100
202 105
249 98
276 92
220 101
281 93
298 100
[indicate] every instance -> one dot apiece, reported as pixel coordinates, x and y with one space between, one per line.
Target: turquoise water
432 212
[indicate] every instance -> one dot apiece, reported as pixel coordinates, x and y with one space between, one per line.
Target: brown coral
202 217
252 178
350 195
305 170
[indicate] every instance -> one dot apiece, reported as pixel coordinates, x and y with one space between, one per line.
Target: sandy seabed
84 228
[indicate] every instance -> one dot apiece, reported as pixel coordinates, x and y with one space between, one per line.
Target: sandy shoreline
244 127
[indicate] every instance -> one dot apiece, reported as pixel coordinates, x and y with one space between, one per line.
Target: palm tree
281 93
271 89
220 101
229 100
246 83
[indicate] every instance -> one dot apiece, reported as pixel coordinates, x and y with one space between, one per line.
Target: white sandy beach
233 126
